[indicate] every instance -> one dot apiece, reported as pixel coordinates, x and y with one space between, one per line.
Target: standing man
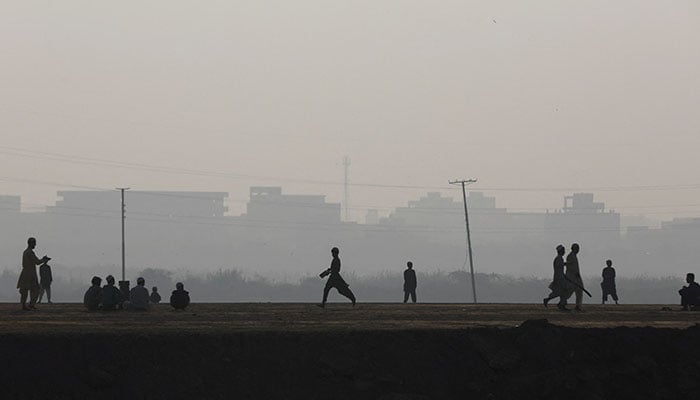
335 280
28 282
558 286
45 279
409 283
608 284
573 275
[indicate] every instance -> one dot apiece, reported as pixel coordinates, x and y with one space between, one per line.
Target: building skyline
285 234
196 203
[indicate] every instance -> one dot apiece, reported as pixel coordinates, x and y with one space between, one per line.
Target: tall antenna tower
346 165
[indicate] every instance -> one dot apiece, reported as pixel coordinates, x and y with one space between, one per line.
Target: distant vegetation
231 285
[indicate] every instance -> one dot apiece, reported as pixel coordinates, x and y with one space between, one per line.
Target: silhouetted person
608 284
155 297
45 279
180 298
28 282
573 275
409 283
93 296
138 297
111 295
690 295
335 280
559 287
125 292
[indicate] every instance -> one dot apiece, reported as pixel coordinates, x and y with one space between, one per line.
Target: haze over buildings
551 99
288 236
176 100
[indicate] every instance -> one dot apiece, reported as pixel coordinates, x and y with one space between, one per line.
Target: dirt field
238 317
372 351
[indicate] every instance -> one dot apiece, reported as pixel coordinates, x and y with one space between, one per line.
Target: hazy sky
544 94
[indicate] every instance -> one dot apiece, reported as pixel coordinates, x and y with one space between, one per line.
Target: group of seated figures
109 297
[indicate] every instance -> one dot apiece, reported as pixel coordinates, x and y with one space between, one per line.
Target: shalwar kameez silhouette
410 283
559 287
28 282
573 275
335 280
608 285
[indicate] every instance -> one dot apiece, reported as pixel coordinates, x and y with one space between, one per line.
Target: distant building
10 203
152 204
637 222
372 217
582 220
582 203
434 210
267 203
431 210
681 224
480 203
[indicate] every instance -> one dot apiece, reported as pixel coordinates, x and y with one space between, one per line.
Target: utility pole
346 164
464 182
123 247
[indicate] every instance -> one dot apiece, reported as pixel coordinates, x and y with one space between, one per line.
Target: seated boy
180 298
155 297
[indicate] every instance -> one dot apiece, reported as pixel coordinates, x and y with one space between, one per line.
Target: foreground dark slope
297 351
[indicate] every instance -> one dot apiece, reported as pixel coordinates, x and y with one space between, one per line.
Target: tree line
232 285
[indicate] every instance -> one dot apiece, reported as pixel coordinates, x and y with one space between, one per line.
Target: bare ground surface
371 351
306 317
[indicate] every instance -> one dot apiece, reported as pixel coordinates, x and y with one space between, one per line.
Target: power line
299 204
426 210
435 210
346 165
315 226
693 186
258 223
48 183
181 171
22 152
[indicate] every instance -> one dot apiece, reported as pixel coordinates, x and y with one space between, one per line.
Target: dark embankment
536 360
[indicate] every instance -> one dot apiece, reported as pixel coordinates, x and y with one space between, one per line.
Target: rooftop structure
155 203
267 203
581 203
10 203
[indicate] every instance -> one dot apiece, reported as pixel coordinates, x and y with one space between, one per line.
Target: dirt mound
534 360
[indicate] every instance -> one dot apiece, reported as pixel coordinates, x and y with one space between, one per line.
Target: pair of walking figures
566 283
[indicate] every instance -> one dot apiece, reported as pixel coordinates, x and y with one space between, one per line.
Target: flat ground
305 317
371 351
